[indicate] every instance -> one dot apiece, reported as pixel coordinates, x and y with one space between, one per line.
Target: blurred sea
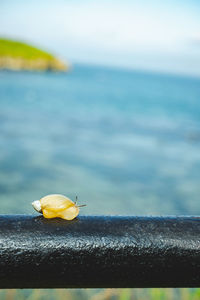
125 142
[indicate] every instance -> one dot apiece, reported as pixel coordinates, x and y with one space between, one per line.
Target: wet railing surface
99 252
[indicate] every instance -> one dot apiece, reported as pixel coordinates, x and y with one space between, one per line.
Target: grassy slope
15 55
18 49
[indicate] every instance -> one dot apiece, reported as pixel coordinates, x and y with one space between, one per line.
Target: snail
57 206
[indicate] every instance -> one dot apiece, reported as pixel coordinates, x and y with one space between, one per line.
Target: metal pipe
99 252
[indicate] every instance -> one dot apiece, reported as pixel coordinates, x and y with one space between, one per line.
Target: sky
150 35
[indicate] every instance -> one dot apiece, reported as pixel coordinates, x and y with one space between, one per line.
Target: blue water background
125 142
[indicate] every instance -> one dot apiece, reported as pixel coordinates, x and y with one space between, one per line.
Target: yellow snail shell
57 206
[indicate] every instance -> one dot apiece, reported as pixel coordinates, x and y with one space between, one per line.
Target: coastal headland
17 56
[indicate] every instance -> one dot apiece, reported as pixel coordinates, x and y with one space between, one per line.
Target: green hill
15 55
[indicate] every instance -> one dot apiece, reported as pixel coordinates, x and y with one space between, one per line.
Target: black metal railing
99 252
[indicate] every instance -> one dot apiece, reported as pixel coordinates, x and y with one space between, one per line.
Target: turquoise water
125 142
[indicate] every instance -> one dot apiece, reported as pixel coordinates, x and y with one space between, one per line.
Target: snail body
57 206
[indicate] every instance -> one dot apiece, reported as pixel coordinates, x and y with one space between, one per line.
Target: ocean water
125 142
